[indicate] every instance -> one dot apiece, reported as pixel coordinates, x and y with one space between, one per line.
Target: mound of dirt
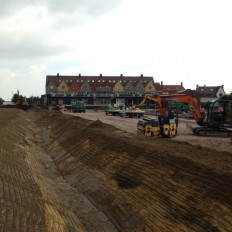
140 184
64 173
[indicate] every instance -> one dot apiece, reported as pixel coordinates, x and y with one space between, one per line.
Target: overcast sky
174 41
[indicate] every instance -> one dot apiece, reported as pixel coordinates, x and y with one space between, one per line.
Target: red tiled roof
157 86
111 79
208 90
172 87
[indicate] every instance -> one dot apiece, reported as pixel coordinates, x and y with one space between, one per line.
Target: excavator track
204 131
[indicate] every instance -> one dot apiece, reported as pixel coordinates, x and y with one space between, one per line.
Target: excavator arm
217 122
194 107
156 99
160 100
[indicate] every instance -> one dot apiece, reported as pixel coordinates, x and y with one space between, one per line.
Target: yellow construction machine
21 102
216 120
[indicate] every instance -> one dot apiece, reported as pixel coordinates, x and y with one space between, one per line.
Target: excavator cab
219 114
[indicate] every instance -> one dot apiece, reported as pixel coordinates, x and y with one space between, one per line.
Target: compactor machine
215 120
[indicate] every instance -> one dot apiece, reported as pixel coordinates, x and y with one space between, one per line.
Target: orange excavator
216 120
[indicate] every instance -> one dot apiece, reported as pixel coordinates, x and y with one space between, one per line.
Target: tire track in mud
21 206
61 199
33 195
139 184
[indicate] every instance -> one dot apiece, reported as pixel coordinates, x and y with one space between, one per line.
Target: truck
120 110
78 107
132 113
114 110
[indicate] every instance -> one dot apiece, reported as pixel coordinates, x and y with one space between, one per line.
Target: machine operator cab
219 114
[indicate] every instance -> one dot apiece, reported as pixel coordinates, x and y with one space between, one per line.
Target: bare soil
185 133
60 172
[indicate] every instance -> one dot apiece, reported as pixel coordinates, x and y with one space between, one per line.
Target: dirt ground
185 133
60 172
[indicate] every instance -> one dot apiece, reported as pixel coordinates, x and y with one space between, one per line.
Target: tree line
33 100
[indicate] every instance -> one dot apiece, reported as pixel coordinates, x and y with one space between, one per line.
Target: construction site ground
92 172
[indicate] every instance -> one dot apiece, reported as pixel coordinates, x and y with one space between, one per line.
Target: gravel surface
185 133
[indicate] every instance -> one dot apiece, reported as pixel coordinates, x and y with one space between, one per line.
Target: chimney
161 83
79 75
181 83
197 87
121 75
100 75
141 75
58 74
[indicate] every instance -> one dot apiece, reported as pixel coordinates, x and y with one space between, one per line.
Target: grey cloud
26 48
91 7
7 7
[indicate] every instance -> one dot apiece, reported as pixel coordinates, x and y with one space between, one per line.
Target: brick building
97 90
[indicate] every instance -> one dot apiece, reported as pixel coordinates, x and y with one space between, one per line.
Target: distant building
8 103
210 93
169 89
97 90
